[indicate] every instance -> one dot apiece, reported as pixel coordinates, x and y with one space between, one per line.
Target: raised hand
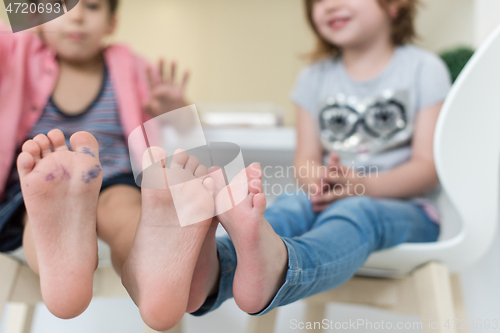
166 93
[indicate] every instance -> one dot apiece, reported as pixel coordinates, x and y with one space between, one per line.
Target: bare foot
60 190
206 274
158 271
262 256
205 281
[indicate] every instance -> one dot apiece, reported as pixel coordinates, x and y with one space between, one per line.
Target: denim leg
290 216
326 250
341 240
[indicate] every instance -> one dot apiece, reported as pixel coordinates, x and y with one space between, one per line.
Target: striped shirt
101 119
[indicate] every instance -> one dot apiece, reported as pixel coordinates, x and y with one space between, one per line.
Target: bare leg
118 214
60 191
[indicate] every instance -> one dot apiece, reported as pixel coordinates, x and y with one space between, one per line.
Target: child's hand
340 183
166 93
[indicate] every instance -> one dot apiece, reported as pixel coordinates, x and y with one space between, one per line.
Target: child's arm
410 179
418 175
308 154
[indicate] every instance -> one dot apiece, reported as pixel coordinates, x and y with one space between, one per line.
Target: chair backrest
467 156
467 151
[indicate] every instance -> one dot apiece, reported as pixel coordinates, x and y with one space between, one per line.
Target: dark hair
113 6
403 27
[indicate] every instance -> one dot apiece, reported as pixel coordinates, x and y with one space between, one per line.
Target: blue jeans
325 250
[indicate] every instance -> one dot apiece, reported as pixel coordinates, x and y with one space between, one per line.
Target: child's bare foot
160 266
205 279
206 274
60 191
262 255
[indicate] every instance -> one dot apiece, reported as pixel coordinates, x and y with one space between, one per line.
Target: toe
44 144
201 171
259 203
25 163
179 159
32 148
254 171
191 164
209 185
85 143
153 155
255 186
57 140
219 177
154 161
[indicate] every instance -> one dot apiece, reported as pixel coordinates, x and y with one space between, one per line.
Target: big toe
85 143
255 186
209 185
259 203
152 156
153 164
254 171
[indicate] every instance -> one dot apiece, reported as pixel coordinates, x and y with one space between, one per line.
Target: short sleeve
305 92
434 81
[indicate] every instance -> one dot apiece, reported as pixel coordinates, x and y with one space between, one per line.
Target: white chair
466 149
20 287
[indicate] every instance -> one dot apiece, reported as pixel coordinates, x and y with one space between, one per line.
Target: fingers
173 71
168 79
322 198
151 81
185 80
320 208
334 159
161 69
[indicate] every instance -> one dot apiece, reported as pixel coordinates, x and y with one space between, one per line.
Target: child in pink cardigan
58 82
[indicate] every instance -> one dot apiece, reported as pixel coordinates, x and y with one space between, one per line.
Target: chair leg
176 329
315 313
435 300
20 318
265 323
458 302
28 318
8 275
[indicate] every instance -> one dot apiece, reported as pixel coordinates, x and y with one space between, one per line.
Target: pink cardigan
28 75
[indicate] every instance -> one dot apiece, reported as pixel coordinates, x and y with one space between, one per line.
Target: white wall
487 17
443 24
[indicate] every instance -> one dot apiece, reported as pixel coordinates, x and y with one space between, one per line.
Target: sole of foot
159 269
262 257
60 190
206 275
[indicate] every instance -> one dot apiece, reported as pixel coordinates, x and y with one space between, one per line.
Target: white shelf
280 138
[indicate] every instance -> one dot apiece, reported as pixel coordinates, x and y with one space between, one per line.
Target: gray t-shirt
370 123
